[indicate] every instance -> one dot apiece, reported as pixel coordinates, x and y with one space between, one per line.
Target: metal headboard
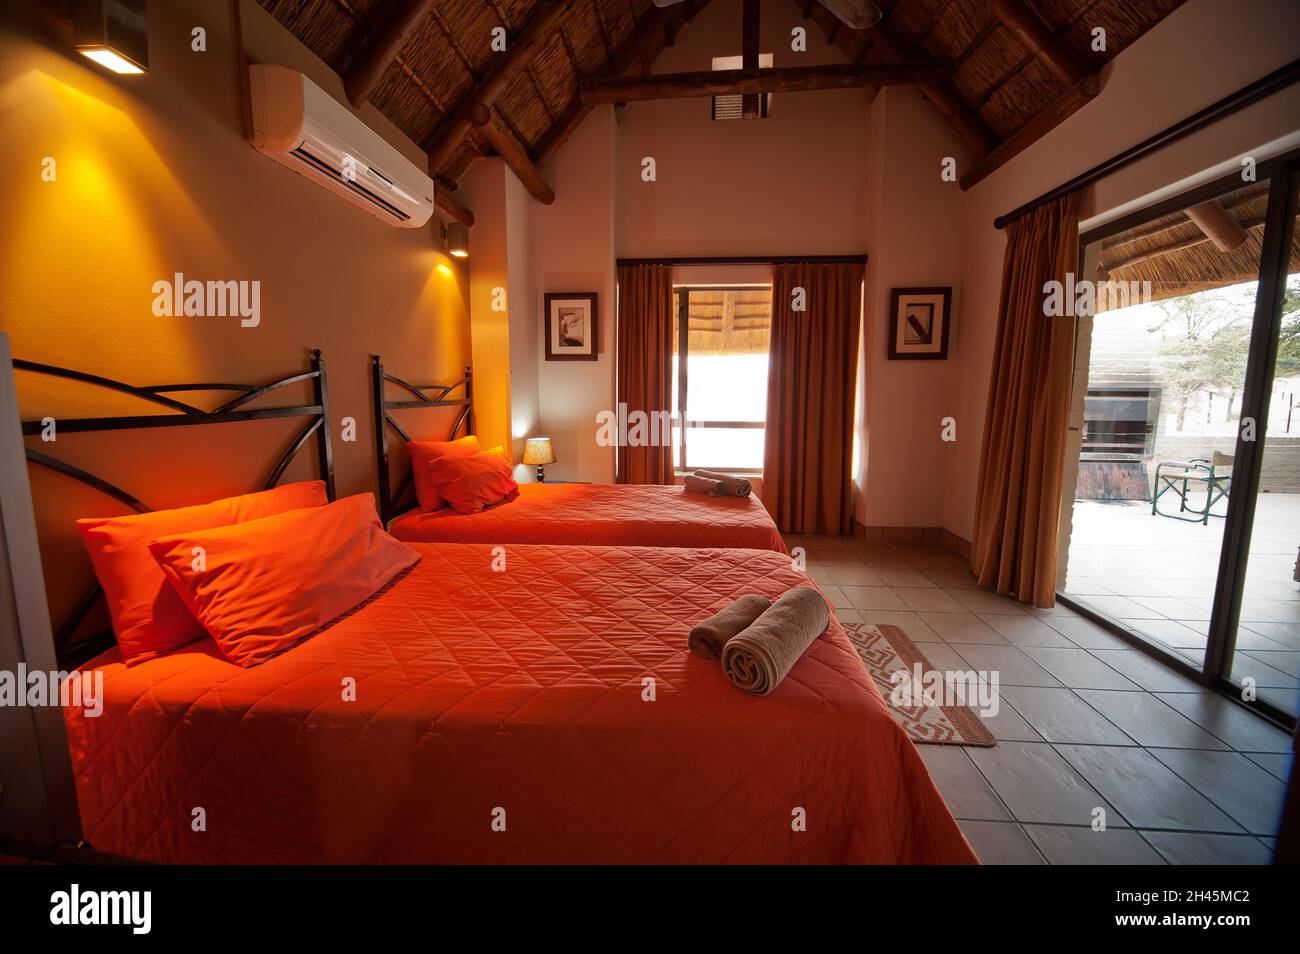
72 654
390 501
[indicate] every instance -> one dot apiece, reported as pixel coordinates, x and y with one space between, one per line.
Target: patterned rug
885 650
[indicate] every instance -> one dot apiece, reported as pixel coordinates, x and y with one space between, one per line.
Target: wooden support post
749 102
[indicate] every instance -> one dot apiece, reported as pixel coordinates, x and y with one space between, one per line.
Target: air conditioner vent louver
326 170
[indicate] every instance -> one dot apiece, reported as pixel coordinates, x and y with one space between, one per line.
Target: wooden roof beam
391 30
519 53
1218 226
458 210
742 81
1041 41
488 122
1065 106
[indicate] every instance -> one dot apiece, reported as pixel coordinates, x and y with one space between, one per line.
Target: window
720 344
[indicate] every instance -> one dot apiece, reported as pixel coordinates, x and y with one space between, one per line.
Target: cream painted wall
1197 55
572 242
789 184
912 242
153 178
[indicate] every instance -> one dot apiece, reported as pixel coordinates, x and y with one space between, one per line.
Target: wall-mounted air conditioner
299 125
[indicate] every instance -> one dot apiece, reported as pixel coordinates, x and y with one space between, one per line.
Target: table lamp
538 451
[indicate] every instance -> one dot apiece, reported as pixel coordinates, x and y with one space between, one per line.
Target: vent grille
732 106
333 174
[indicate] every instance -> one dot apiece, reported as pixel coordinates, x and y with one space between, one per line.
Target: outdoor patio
1157 575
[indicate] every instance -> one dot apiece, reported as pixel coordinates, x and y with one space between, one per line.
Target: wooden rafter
743 81
539 30
386 40
1039 38
489 122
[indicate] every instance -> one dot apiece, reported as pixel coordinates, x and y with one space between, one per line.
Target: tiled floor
1157 575
1086 723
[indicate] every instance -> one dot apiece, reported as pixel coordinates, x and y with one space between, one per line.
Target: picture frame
919 323
571 326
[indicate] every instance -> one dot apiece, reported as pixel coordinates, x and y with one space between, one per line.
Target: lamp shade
538 450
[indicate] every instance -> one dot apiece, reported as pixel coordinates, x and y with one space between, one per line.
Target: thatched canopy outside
728 321
1002 83
1176 257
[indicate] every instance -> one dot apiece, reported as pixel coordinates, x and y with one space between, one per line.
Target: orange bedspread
519 697
644 515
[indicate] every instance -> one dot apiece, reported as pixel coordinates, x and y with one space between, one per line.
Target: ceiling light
457 240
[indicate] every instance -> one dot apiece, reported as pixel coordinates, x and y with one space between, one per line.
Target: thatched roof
729 321
1177 258
996 79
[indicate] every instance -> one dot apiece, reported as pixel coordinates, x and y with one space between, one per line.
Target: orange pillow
423 453
148 617
262 586
471 484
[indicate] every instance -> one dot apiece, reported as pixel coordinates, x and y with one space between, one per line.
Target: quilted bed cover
546 713
646 515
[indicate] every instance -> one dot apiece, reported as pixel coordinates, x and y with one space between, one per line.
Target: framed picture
571 326
918 322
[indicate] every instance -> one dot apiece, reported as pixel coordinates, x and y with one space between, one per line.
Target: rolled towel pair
703 485
732 486
706 639
759 657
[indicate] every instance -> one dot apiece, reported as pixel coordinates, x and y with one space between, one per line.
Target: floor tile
1085 633
1009 725
1182 848
1151 674
1277 764
932 599
953 579
982 601
1144 790
1120 607
904 576
912 625
1078 668
874 598
854 575
837 597
1248 794
962 628
1013 667
1148 720
1241 729
1038 785
967 793
1061 716
1024 630
1000 843
1084 846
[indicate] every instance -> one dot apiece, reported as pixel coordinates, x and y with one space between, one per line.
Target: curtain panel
811 390
645 368
1018 494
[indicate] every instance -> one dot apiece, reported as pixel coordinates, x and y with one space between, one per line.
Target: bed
594 514
507 717
654 515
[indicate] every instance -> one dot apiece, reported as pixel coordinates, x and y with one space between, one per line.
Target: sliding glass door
1184 528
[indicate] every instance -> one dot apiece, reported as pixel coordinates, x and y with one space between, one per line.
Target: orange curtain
811 387
1018 497
645 367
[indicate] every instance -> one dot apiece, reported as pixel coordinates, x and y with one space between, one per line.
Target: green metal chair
1214 473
